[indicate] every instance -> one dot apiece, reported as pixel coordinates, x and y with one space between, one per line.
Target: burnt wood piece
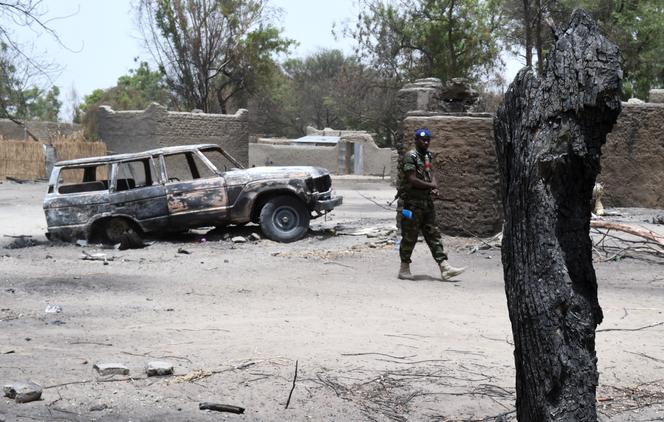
549 132
218 407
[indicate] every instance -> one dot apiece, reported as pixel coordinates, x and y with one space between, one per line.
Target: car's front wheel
284 219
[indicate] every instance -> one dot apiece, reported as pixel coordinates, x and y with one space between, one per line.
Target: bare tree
19 65
549 133
209 50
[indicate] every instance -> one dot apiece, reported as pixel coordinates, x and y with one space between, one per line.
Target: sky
100 39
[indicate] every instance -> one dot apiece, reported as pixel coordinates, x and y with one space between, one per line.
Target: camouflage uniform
420 203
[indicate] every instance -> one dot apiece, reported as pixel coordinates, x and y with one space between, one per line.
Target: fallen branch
643 355
379 354
293 387
631 329
95 380
217 407
636 231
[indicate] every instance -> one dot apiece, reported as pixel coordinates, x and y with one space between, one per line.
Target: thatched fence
27 160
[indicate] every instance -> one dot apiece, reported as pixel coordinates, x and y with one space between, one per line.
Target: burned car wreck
176 188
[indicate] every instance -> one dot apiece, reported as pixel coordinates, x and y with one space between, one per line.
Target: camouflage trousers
423 220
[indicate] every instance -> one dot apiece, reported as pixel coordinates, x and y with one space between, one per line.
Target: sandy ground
237 319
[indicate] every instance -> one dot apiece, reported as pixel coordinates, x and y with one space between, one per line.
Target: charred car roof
128 156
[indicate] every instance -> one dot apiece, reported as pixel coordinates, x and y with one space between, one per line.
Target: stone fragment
98 407
239 239
254 237
158 368
23 391
53 309
111 369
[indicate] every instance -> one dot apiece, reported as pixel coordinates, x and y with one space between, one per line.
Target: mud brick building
466 166
156 127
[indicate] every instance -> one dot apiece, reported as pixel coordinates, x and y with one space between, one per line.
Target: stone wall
45 131
155 127
269 154
633 158
466 168
283 152
656 96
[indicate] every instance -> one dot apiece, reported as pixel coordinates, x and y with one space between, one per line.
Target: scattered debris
98 407
659 219
254 237
239 239
367 231
21 242
613 247
158 368
111 369
23 391
86 256
82 242
184 251
16 180
53 309
194 376
217 407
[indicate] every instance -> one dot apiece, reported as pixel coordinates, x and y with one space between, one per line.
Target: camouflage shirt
421 165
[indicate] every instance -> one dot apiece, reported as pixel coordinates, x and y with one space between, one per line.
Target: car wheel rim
285 219
116 229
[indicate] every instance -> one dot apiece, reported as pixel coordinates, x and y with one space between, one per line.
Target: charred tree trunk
549 132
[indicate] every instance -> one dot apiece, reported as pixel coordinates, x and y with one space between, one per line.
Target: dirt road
235 319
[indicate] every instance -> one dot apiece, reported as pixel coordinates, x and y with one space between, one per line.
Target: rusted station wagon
177 188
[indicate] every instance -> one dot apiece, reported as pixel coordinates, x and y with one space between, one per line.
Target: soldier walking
418 185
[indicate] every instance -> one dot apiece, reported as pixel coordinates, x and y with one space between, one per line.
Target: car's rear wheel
120 230
284 219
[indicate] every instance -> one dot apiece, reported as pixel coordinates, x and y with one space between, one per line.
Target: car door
136 192
196 194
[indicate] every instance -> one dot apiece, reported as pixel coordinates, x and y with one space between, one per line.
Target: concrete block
111 369
158 368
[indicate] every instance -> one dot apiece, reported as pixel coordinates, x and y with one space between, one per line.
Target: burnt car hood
254 174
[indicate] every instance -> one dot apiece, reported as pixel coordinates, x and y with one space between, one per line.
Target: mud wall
44 131
466 168
633 158
265 154
155 127
284 152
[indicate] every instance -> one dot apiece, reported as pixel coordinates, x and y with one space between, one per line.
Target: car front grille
323 183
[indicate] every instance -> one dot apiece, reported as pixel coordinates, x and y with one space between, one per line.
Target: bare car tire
119 230
284 219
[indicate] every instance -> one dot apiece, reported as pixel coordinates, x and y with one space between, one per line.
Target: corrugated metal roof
317 139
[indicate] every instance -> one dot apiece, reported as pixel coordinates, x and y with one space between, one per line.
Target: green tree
40 105
425 38
134 91
211 51
636 26
328 89
10 86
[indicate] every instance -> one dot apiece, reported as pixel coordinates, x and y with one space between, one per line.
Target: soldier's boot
447 271
404 272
